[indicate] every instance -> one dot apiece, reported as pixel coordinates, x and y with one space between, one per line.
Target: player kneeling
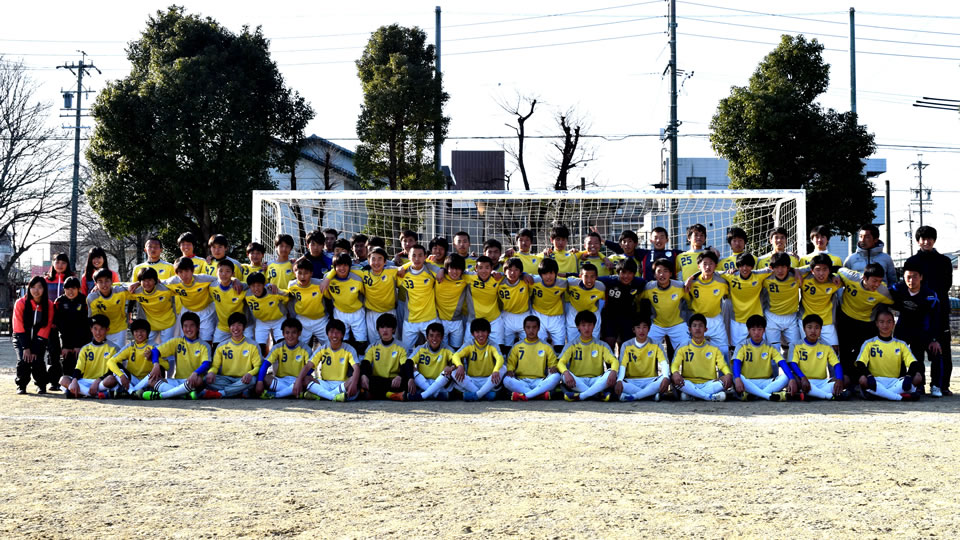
432 364
640 360
484 370
881 360
754 365
335 362
236 362
287 359
696 364
811 360
531 365
136 363
386 366
92 375
191 358
587 366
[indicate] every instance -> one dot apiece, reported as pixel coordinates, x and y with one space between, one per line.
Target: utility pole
886 212
920 166
436 128
674 127
852 241
78 70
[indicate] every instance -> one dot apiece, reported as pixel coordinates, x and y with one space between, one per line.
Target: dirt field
475 470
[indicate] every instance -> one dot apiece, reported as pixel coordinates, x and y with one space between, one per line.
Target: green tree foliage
402 105
776 136
181 141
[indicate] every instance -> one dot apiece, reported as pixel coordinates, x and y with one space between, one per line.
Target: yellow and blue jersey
699 363
587 358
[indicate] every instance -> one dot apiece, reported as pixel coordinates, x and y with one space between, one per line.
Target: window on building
696 182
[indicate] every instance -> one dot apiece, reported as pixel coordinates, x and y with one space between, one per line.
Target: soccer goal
500 214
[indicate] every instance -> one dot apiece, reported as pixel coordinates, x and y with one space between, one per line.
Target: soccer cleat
719 396
121 393
685 397
606 396
42 390
656 397
778 396
193 395
491 396
395 396
470 396
517 396
21 391
266 395
547 396
150 395
443 396
571 396
103 395
909 396
54 387
339 397
627 397
416 396
744 396
935 391
803 397
211 394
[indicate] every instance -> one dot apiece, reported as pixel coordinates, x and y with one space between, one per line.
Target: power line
877 53
554 29
554 14
555 44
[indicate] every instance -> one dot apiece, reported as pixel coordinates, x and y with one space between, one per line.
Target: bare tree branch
572 153
516 152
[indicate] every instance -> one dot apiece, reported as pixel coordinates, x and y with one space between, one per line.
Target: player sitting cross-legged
640 361
811 360
754 365
338 368
484 369
432 364
287 359
882 361
531 365
386 365
92 376
236 362
587 366
696 365
192 359
135 361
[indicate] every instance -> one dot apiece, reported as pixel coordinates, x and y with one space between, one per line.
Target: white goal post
501 214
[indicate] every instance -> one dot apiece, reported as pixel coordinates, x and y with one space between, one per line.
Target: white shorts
219 336
281 382
828 333
496 332
413 330
371 317
782 328
678 334
739 333
355 322
162 336
314 328
118 339
330 386
553 328
513 327
717 334
573 333
452 333
264 329
208 321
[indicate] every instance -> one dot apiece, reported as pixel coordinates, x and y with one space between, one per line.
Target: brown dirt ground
304 469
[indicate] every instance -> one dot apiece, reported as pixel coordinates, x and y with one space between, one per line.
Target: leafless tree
516 108
572 152
34 189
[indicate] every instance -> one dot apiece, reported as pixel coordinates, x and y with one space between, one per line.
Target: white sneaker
935 391
656 397
685 397
719 396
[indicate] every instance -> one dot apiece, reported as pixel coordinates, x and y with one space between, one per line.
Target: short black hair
874 270
589 267
778 230
342 243
439 241
746 259
140 324
779 259
756 321
218 239
146 273
639 319
629 235
479 325
336 324
235 318
291 322
821 230
660 230
560 231
256 246
331 230
187 237
378 251
531 318
256 277
736 232
359 239
492 243
283 239
813 318
228 263
872 229
101 320
377 241
666 263
420 247
547 266
387 320
484 259
73 282
462 233
343 259
821 258
103 273
708 254
626 265
525 232
303 263
314 236
585 317
189 316
455 261
514 262
435 327
696 227
696 317
407 233
910 266
926 231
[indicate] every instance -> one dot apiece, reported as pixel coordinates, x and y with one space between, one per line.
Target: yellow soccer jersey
157 307
639 361
745 293
817 298
566 261
386 359
307 300
164 269
268 307
886 358
431 363
531 261
857 302
597 261
480 361
450 296
757 360
211 269
226 302
728 263
236 358
421 295
531 360
247 268
665 302
333 365
114 307
764 262
548 299
587 358
288 361
814 359
94 361
484 300
515 298
280 273
834 260
380 290
784 296
699 363
346 293
706 297
581 298
138 360
687 264
194 296
188 355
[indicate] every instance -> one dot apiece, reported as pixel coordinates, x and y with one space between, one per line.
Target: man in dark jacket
937 271
919 322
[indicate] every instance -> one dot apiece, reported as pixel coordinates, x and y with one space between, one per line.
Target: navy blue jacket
920 319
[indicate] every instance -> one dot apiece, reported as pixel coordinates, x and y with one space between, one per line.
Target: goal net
501 214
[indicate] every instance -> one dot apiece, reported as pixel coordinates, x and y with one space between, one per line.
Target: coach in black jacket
937 273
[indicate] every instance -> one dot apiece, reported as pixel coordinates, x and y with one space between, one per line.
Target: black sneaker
946 393
42 390
21 390
55 388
